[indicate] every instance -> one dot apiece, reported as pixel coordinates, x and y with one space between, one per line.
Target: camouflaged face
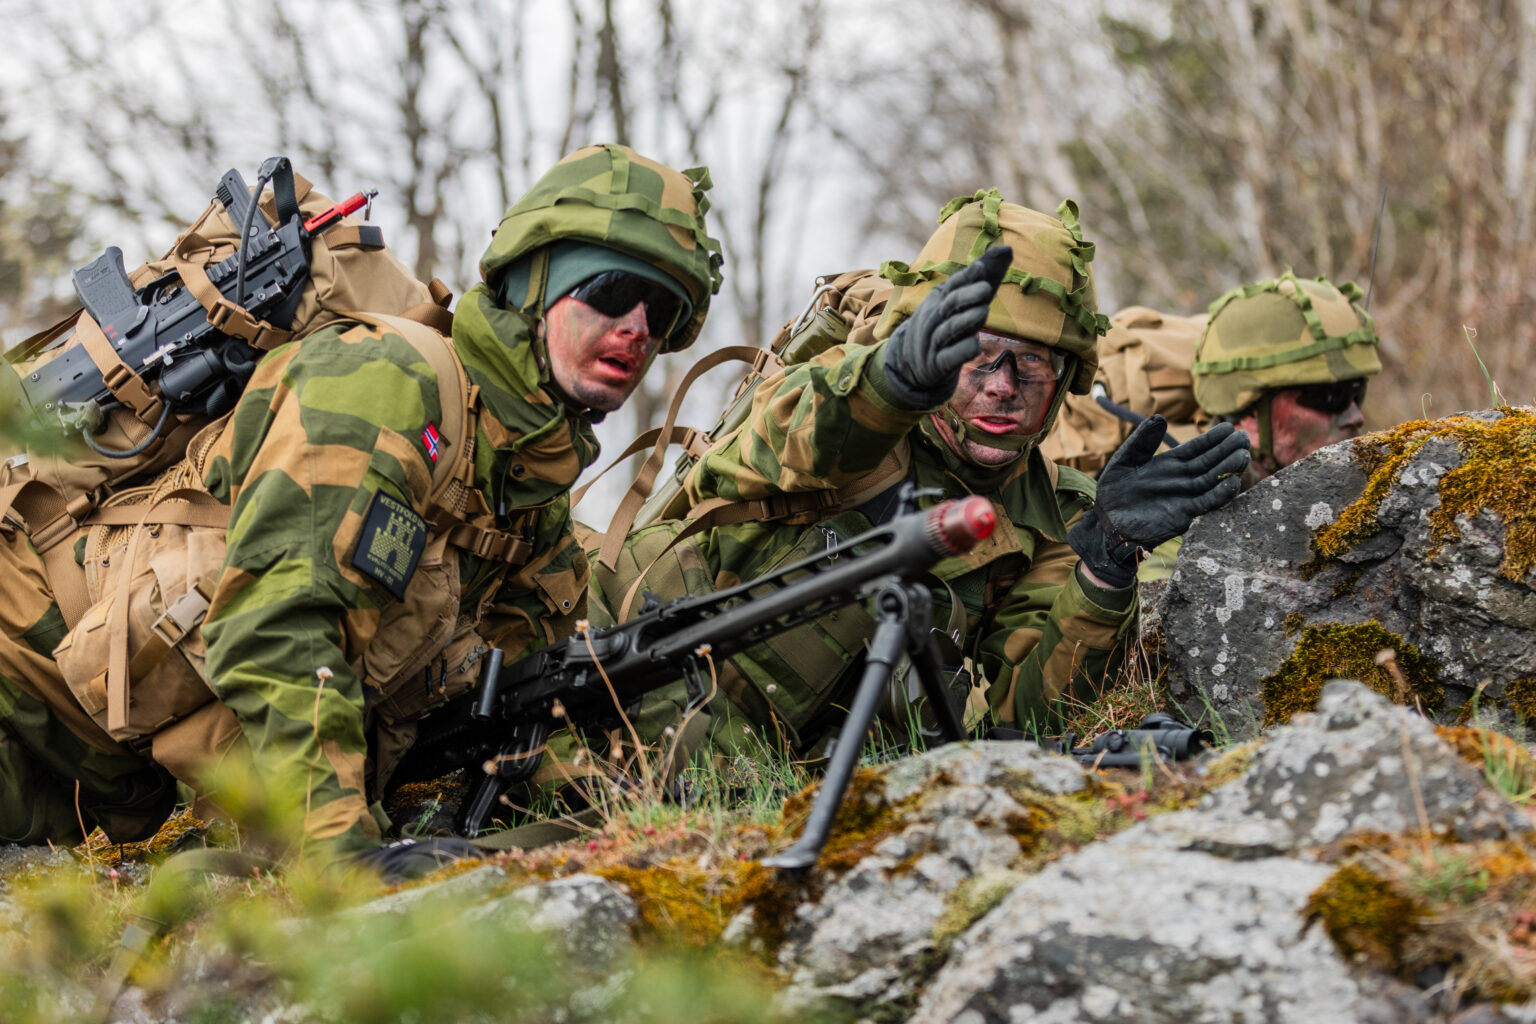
1286 332
1047 295
613 196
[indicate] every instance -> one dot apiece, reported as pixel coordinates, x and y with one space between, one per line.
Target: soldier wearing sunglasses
356 588
1287 361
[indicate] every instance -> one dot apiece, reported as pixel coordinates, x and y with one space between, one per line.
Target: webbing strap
118 673
40 341
491 545
126 386
50 522
763 362
687 437
215 515
184 615
434 313
190 257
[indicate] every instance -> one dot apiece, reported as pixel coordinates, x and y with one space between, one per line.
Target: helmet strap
1265 448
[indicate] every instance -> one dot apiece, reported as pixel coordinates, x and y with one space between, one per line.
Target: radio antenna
1370 282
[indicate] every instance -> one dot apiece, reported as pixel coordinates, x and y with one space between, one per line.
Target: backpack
1144 366
52 490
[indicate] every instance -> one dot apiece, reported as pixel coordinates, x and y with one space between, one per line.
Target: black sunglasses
1332 398
616 292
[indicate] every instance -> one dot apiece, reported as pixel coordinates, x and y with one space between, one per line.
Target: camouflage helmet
1284 333
612 196
1047 295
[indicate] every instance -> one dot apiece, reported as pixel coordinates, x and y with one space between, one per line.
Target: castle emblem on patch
391 543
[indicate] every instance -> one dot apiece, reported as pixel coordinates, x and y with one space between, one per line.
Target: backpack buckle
184 615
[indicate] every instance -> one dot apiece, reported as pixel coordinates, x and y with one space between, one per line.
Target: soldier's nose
1351 417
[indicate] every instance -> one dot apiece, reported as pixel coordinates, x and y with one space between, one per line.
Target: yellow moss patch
1520 697
679 904
1349 652
178 829
863 819
1497 475
1231 763
1365 915
970 901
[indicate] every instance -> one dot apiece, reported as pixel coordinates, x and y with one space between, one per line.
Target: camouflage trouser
57 769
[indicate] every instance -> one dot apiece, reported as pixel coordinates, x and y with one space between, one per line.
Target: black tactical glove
1145 498
405 859
924 356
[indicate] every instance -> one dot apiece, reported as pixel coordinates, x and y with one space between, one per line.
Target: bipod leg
893 610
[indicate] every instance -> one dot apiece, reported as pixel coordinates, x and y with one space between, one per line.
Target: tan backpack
1144 366
53 488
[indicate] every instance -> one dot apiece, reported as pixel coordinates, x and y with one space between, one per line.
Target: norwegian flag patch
430 441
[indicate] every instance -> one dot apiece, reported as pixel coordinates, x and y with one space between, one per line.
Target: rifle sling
542 833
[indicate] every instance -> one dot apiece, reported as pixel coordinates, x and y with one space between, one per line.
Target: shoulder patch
391 543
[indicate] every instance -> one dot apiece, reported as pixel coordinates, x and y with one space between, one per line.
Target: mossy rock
1420 540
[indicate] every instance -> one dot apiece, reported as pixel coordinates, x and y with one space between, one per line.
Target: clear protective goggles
1031 363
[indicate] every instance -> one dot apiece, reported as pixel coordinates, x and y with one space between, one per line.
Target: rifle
498 730
164 332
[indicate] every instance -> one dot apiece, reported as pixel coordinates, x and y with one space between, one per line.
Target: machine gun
498 730
163 331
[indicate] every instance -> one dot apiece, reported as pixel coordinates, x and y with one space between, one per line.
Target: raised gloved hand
404 859
923 357
1145 498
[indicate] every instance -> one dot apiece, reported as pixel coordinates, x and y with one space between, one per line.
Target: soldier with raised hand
981 340
355 595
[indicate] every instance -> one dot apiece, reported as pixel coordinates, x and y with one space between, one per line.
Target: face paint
596 359
1007 390
1298 430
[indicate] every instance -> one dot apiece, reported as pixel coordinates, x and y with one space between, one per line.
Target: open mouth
995 424
617 364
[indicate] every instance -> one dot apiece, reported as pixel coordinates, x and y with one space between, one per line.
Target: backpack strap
453 476
434 314
51 521
763 361
191 257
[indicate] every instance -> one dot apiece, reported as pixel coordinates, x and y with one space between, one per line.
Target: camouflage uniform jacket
1036 630
321 647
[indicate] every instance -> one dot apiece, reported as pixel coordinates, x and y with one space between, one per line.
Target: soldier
353 596
971 359
1285 360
